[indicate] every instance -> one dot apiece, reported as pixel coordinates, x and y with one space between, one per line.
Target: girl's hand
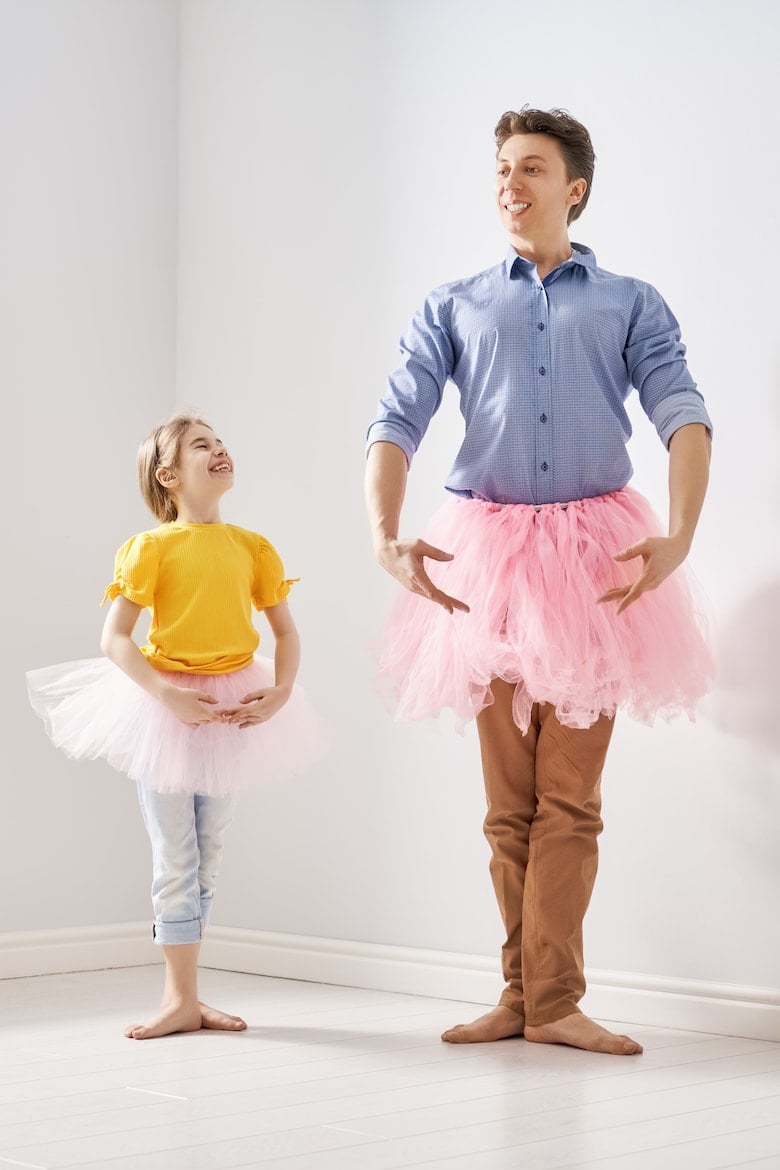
192 707
661 556
259 706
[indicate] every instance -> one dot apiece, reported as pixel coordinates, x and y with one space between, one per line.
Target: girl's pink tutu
531 576
93 710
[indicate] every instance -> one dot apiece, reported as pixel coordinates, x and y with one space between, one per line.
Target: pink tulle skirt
92 710
531 576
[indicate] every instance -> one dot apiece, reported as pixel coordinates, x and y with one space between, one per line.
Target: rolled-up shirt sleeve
415 388
655 360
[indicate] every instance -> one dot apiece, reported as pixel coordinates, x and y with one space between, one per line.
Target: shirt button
544 467
542 418
540 325
542 370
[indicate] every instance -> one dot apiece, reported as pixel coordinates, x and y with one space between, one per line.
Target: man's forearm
689 468
386 473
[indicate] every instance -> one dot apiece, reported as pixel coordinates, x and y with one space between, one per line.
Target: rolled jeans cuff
189 931
167 934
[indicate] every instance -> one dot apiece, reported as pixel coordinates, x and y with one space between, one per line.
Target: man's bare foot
176 1017
578 1031
220 1021
498 1024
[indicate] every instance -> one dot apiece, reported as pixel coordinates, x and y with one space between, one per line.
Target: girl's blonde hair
160 449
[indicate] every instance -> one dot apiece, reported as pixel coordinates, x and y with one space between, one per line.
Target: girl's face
203 467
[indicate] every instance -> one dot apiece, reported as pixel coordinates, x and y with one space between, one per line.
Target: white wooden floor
330 1078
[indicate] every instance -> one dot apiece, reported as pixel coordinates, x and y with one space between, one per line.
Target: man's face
533 191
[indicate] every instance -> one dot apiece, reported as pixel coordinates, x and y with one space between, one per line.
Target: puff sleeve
135 571
269 585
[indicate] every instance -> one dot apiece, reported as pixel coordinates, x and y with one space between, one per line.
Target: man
530 615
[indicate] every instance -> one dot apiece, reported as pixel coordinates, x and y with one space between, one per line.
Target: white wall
88 113
335 163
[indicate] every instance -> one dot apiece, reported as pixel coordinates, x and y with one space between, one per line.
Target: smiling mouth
514 208
222 467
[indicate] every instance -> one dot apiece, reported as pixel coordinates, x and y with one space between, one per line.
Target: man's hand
190 706
258 706
661 556
386 472
403 560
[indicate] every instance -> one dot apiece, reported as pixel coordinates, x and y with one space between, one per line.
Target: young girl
192 716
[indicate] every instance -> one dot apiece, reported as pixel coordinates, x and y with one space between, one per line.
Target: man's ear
578 189
166 476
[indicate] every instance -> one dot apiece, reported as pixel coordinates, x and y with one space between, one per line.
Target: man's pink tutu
93 710
531 576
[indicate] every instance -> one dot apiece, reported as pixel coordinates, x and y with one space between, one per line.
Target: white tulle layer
531 577
92 710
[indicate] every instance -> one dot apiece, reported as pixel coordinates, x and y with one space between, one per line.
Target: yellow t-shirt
200 582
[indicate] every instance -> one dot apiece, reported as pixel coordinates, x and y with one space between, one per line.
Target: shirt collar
580 254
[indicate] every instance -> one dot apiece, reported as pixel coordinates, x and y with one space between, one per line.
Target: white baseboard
408 970
78 948
690 1005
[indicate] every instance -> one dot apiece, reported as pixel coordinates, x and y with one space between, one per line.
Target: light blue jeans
187 833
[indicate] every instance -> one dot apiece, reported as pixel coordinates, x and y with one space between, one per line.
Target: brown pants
544 802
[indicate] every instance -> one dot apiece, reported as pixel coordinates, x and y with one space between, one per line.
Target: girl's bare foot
578 1031
175 1017
220 1021
498 1024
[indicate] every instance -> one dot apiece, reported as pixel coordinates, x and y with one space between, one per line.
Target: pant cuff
514 1001
554 1014
175 933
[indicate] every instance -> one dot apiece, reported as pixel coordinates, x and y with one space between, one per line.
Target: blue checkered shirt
543 368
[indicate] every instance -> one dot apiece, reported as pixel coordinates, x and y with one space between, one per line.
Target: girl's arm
261 705
689 469
117 643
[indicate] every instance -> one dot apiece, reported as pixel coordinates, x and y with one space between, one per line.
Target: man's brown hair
571 136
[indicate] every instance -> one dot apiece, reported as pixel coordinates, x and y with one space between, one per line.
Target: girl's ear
166 476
